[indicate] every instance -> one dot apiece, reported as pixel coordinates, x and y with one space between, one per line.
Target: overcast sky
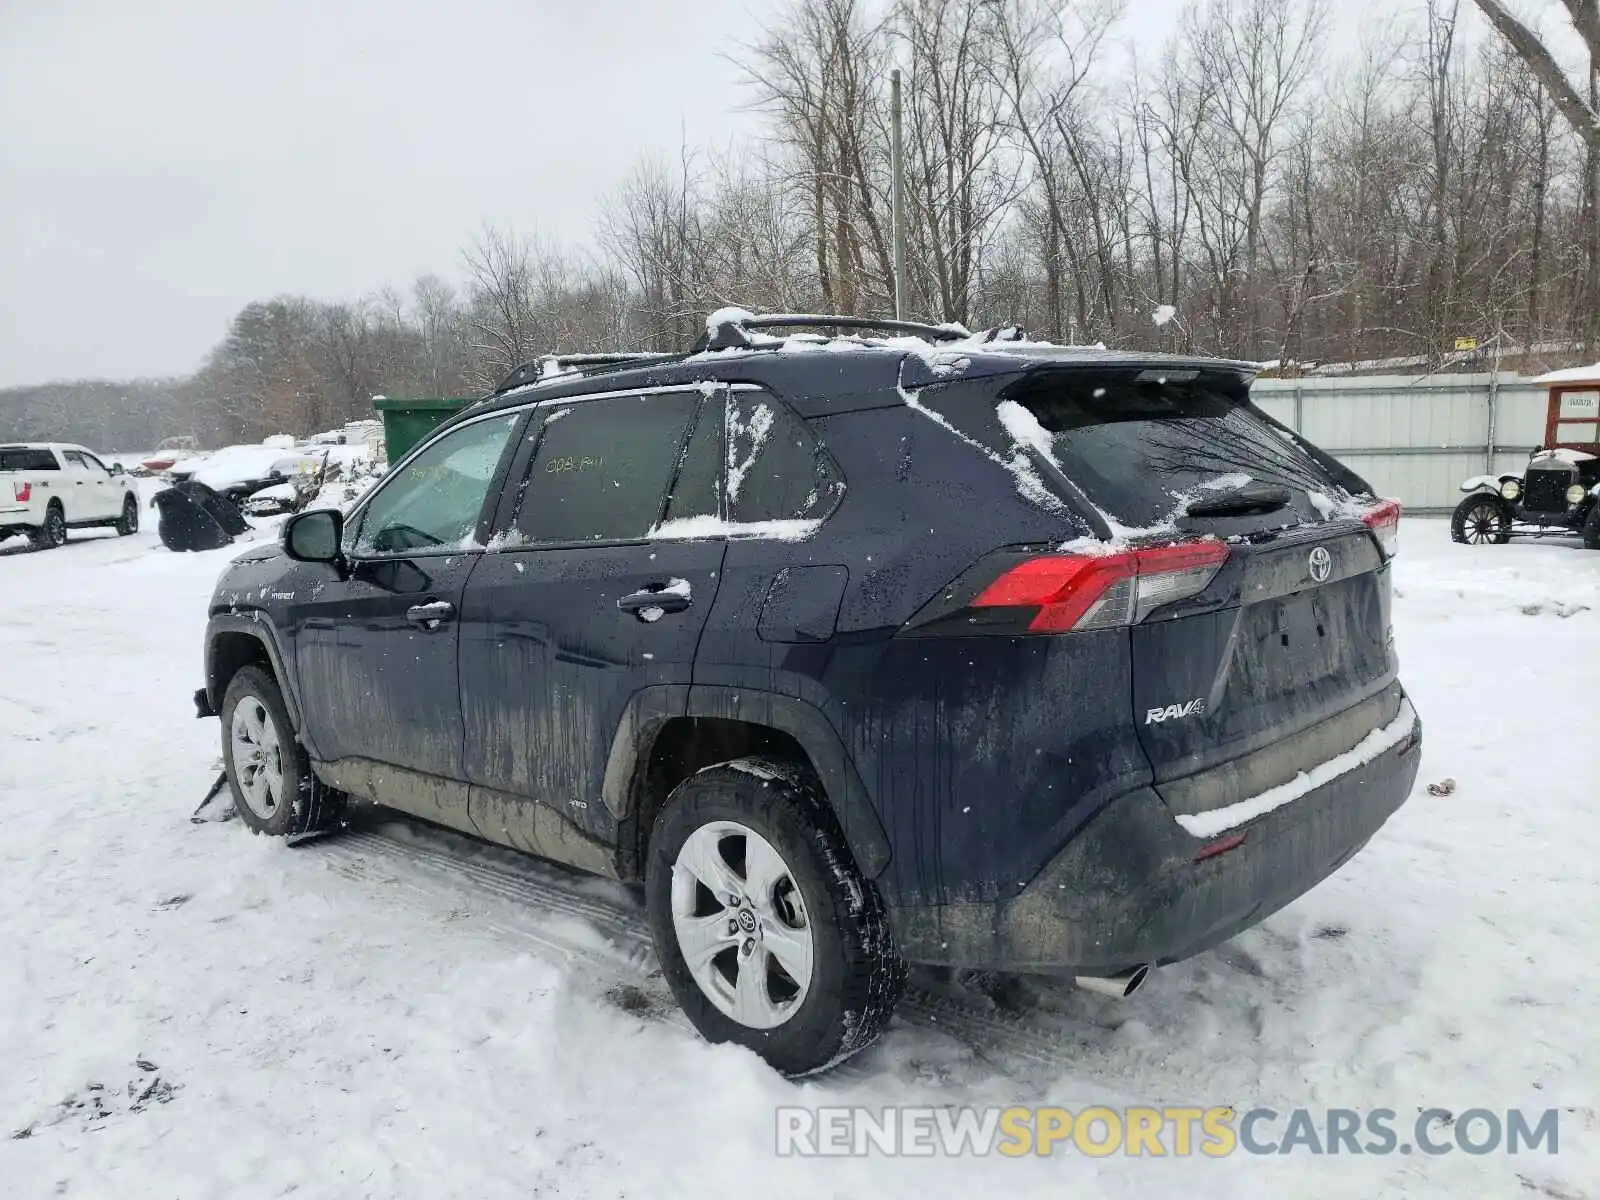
164 162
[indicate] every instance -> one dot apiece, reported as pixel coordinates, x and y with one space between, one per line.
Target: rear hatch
1256 589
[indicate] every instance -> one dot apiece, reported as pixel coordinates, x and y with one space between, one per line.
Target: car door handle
431 615
651 605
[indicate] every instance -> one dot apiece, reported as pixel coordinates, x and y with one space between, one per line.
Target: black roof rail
549 366
730 329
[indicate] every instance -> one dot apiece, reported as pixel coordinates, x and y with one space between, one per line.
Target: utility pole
898 194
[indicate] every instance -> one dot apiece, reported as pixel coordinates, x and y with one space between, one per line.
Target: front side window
434 501
73 457
604 468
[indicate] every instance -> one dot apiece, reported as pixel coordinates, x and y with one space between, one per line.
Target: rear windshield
23 458
1141 450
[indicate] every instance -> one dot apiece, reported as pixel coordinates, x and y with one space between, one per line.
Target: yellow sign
1466 343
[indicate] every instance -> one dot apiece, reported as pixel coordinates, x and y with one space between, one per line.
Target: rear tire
1481 520
128 523
52 534
1591 528
274 790
763 829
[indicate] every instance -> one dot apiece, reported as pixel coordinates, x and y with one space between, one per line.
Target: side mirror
315 536
116 469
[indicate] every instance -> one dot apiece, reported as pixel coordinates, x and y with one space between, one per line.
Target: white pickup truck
47 488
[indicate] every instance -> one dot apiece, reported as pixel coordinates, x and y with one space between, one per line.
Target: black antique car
1559 491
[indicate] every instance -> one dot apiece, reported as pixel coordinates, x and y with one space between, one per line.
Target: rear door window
777 470
603 468
698 489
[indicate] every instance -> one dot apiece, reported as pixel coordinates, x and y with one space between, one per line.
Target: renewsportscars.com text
1178 1132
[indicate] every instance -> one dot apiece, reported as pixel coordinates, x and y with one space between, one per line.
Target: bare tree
1579 105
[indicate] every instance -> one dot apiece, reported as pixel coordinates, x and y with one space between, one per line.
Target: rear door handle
650 606
431 615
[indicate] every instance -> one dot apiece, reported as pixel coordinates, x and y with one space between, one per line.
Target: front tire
1482 520
1591 528
767 932
128 523
52 534
274 790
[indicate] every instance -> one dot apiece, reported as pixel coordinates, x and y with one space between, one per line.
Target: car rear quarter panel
980 755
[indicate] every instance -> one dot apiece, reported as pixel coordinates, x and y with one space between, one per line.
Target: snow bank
347 1023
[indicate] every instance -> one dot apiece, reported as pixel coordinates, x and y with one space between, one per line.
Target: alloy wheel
257 757
741 924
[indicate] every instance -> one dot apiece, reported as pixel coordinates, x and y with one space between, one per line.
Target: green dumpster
407 421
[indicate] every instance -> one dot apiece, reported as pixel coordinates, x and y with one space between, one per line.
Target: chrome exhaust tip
1118 987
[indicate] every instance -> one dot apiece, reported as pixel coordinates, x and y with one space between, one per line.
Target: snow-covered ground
332 1021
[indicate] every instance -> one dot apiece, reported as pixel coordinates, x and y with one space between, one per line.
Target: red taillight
22 491
1101 591
1384 520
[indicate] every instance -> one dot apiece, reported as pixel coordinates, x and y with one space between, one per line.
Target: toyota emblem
1321 565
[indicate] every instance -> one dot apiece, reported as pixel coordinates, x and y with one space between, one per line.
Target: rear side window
1139 449
27 459
603 468
776 468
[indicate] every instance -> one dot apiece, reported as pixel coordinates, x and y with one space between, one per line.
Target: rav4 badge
1173 712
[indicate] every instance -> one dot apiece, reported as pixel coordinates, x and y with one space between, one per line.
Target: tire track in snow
621 952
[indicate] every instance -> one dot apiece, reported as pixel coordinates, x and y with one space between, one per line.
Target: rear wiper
1242 501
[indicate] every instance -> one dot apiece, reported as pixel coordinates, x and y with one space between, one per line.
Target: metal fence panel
1415 438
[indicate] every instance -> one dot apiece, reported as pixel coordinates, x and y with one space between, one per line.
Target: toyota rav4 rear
1169 706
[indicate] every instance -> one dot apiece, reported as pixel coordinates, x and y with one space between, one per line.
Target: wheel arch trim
254 626
651 708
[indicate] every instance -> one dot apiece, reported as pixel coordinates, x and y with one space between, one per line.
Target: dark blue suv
854 651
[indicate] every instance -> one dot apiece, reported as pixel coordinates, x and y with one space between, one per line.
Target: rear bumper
1127 890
